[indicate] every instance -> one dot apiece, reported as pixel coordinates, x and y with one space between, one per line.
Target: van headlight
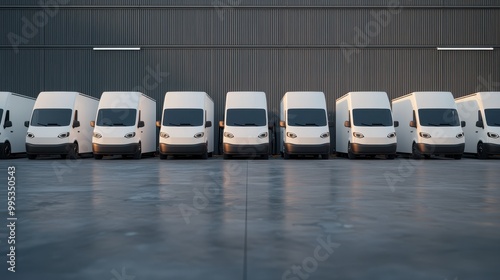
324 135
291 135
130 135
199 135
425 135
63 135
97 135
30 135
492 135
164 135
391 135
228 135
263 135
460 135
358 135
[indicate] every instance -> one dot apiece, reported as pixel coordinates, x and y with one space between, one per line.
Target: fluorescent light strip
464 49
116 49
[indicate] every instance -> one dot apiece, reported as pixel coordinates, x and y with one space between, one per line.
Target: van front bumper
297 149
491 149
194 149
120 149
256 149
430 149
57 149
363 149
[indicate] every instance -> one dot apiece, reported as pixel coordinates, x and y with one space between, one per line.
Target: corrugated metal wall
272 46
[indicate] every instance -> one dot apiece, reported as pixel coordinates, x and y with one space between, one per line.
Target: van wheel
162 156
457 156
138 153
204 156
415 153
98 156
390 156
6 151
481 153
350 154
30 156
265 156
73 153
63 156
226 156
325 156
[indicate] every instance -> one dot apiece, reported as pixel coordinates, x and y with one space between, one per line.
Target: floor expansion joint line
245 243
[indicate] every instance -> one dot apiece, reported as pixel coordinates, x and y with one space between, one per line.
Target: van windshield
372 117
492 117
116 117
51 117
183 117
306 117
246 117
438 117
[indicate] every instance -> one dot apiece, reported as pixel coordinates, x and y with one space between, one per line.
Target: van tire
63 156
415 153
31 156
204 156
6 151
350 154
390 156
480 151
98 157
138 153
73 153
266 156
457 156
325 156
226 156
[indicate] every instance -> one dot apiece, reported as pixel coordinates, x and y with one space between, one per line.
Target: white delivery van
15 109
245 130
304 124
59 124
186 127
364 125
125 125
430 125
481 112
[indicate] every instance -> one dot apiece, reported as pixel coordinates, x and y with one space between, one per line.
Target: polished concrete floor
125 219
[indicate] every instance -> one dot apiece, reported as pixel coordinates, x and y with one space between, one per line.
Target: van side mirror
158 124
7 124
480 124
92 123
27 123
140 124
208 124
413 124
462 123
270 125
221 124
347 124
396 123
282 124
76 124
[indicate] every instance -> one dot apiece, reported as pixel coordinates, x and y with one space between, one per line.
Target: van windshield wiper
43 124
251 124
311 124
377 124
433 124
174 124
300 124
366 124
446 124
53 124
118 124
185 124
